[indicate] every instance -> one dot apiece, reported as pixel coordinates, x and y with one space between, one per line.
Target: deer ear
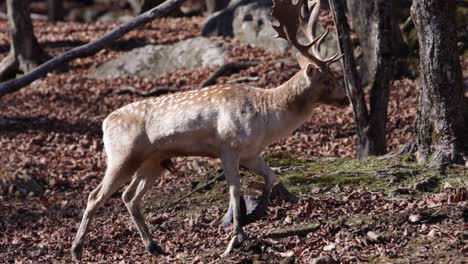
303 61
309 69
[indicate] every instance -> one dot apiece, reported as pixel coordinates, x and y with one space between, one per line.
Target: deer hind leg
230 161
117 174
132 196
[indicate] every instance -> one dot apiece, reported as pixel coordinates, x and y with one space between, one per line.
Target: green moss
328 172
302 174
282 159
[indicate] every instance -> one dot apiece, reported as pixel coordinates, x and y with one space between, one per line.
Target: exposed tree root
244 79
158 91
226 69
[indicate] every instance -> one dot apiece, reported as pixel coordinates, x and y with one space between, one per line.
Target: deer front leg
258 166
230 161
253 208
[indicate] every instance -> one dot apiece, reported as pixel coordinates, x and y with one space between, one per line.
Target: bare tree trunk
371 124
25 53
381 50
216 5
149 4
55 10
352 80
441 123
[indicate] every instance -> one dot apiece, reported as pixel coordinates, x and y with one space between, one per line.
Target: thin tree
370 123
441 135
216 5
25 52
55 10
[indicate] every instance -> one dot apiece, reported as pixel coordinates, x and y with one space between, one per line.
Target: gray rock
250 22
252 25
221 23
154 60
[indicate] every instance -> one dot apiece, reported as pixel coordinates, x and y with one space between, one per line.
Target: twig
201 188
88 49
225 69
408 25
153 92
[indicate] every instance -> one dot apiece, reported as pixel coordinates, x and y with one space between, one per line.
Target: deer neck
296 97
289 106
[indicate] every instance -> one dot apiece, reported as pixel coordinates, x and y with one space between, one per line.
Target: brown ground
51 132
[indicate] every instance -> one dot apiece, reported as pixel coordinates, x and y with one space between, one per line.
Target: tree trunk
352 81
148 4
381 50
25 53
441 123
376 41
216 5
55 10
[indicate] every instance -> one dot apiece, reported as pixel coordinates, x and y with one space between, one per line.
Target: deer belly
199 143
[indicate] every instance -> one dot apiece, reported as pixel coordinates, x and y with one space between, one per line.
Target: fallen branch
294 231
227 68
88 49
153 92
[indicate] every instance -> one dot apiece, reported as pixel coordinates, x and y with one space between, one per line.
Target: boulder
154 60
221 23
252 25
250 22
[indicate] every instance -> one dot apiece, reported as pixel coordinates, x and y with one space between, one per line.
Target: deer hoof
155 250
235 242
76 250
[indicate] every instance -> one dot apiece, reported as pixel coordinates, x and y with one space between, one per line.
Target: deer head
301 16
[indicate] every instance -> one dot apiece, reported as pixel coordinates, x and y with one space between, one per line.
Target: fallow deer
231 122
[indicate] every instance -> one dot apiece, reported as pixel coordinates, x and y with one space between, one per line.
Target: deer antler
306 21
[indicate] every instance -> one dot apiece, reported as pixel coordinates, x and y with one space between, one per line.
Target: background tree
442 120
55 10
216 5
378 50
25 52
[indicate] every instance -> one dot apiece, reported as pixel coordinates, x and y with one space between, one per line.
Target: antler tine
289 25
306 21
312 26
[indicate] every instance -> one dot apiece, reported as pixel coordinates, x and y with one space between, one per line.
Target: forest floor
392 211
